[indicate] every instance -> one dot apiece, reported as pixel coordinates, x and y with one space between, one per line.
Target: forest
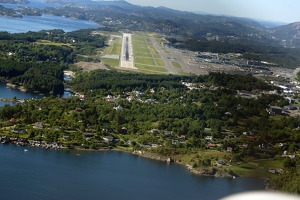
36 60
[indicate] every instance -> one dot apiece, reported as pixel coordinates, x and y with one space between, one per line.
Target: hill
288 34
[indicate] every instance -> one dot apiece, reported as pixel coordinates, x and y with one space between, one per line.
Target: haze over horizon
272 10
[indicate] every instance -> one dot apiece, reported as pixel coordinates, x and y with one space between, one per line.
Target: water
50 174
6 92
44 22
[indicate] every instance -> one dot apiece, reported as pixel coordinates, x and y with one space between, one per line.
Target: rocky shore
214 172
21 88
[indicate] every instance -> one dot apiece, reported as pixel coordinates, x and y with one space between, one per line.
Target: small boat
25 150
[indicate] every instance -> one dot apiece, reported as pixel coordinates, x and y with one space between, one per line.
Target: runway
127 59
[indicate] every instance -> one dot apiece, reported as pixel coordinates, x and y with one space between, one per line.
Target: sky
273 10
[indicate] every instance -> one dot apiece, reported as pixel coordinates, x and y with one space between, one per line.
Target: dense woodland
34 61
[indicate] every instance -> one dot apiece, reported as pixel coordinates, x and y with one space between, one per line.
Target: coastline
210 172
21 88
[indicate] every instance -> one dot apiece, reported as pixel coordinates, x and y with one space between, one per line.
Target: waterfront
50 174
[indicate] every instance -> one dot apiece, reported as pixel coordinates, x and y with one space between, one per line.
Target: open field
141 49
146 57
176 64
111 62
89 66
149 68
115 48
144 61
47 42
111 55
160 62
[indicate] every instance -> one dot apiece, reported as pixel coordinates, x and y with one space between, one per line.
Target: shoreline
21 88
209 172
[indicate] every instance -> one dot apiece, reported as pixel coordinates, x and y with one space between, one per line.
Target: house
78 109
16 130
38 125
150 101
221 163
291 156
123 130
290 107
108 138
229 149
111 130
274 110
207 130
246 95
154 131
211 146
88 135
13 120
139 94
118 108
208 137
290 100
168 134
175 142
182 138
66 137
272 171
130 99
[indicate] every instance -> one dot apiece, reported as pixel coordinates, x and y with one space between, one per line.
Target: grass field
143 54
248 170
115 48
156 56
141 49
176 64
47 42
148 68
144 60
111 62
146 57
160 62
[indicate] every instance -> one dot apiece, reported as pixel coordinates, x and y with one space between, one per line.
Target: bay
51 174
44 22
6 92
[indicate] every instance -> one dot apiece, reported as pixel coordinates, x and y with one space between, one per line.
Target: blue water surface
52 174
